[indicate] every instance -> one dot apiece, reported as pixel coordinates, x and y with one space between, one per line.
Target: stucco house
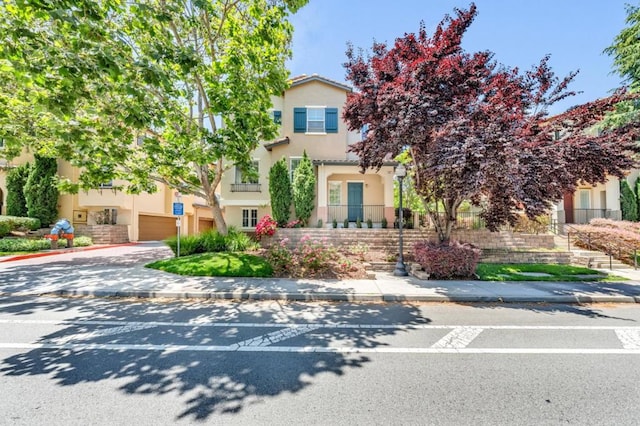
310 116
145 217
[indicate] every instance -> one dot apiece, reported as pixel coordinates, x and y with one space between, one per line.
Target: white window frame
321 119
251 217
339 185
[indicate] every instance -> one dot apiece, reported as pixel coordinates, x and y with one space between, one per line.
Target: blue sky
519 32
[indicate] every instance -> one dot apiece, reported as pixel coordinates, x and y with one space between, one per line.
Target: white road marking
318 349
457 338
329 325
277 336
99 333
630 338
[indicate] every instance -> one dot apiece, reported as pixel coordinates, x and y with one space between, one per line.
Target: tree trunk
218 219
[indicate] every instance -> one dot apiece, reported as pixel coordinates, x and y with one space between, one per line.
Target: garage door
152 228
204 225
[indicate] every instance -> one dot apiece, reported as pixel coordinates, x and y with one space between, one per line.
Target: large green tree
280 191
304 189
625 52
190 81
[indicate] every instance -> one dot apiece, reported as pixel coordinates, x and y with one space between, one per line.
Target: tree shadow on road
206 382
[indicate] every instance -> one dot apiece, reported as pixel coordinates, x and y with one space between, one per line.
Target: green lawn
216 265
514 272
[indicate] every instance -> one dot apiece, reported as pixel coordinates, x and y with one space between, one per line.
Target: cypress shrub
304 185
41 191
16 182
280 192
628 202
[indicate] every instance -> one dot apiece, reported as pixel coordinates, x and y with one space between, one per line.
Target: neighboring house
310 118
591 201
146 216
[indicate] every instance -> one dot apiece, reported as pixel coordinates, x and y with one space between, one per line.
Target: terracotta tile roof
302 79
282 141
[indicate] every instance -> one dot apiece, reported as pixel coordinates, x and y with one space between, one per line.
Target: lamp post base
401 270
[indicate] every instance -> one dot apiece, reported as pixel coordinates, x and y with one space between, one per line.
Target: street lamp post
400 270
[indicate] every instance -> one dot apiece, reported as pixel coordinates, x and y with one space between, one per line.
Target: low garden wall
104 234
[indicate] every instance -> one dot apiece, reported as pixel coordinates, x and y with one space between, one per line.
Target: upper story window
247 178
315 120
276 116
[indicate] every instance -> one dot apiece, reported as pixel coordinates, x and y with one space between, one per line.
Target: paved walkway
119 271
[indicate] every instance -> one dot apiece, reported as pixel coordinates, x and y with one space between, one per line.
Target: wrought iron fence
585 215
464 220
354 212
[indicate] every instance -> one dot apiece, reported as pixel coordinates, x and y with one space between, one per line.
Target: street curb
62 251
336 297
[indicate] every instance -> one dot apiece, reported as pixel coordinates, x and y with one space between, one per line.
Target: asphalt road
99 361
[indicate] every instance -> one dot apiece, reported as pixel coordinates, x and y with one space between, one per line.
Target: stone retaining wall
104 234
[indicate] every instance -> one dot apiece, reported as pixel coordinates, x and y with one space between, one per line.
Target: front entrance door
354 201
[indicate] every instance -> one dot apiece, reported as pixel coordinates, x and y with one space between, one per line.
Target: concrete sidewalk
118 271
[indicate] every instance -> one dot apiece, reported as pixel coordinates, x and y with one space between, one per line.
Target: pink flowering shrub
281 258
313 254
447 261
308 258
266 227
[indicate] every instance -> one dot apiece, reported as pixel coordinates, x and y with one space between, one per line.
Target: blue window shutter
277 117
299 120
331 120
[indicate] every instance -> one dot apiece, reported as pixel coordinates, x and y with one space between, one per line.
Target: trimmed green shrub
369 223
12 245
345 223
16 182
334 223
384 223
358 223
41 191
628 202
447 260
13 223
280 192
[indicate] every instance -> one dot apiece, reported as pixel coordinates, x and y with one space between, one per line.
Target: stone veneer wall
388 238
104 234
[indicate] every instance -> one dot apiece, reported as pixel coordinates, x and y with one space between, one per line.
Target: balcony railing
354 212
246 187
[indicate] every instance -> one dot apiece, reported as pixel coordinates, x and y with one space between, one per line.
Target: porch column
389 212
322 193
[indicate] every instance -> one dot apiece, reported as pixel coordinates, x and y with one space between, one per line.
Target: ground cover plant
519 271
216 265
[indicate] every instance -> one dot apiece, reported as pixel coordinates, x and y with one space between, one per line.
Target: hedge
11 245
15 223
446 261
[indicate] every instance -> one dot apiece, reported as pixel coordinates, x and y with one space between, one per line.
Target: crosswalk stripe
458 338
630 338
277 336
